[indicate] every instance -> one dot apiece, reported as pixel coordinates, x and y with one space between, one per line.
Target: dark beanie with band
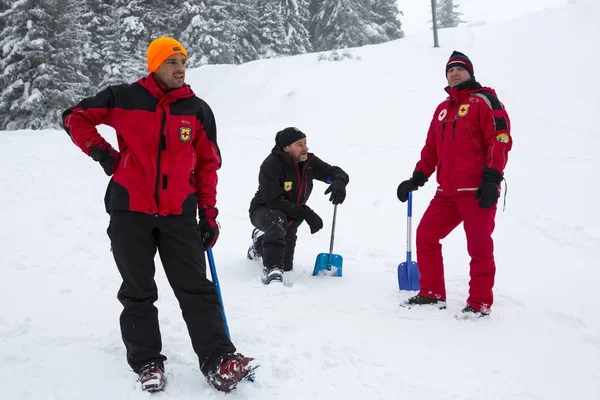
288 136
458 59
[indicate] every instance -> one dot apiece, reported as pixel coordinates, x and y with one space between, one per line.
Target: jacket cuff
419 178
207 212
492 175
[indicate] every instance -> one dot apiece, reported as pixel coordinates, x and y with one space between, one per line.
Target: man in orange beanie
163 174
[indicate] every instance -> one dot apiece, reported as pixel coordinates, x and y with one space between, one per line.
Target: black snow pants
135 238
279 239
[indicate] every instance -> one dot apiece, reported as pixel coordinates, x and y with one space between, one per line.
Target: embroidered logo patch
503 138
463 110
473 99
442 114
185 134
287 186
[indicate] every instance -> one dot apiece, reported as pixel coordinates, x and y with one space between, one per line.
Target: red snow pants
441 217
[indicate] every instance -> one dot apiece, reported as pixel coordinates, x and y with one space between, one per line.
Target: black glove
418 179
338 191
209 228
312 219
104 157
488 191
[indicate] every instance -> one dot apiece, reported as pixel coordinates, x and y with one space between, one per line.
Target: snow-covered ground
326 337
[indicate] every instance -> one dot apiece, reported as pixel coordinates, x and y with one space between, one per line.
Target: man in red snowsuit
467 145
163 174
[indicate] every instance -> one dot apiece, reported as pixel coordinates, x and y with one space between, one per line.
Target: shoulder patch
490 99
503 138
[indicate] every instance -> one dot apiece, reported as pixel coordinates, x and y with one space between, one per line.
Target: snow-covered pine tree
382 21
4 5
272 33
132 39
447 14
194 25
42 64
208 34
296 20
97 19
339 24
69 76
244 31
23 46
226 31
162 18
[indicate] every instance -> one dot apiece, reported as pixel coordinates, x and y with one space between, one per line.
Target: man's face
297 150
172 71
456 76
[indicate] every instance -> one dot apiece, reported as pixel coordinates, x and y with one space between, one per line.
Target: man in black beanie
285 182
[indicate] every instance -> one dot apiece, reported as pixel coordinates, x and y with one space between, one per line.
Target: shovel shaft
215 279
332 230
409 229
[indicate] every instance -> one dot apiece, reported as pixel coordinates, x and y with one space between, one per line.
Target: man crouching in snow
279 205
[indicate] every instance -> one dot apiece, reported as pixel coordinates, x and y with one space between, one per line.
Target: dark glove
209 228
418 179
312 219
338 191
488 191
106 159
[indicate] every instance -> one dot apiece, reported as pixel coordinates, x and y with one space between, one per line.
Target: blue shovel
408 272
329 263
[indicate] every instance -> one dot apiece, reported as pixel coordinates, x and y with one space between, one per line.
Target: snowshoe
152 377
231 370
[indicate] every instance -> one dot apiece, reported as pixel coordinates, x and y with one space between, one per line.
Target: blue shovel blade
327 264
408 276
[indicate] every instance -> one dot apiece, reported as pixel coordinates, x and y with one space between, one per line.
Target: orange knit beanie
160 49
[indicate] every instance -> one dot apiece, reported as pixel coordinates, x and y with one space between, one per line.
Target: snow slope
325 337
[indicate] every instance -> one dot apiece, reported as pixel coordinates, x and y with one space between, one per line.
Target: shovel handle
332 231
409 229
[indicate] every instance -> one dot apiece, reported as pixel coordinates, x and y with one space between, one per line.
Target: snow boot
469 312
255 250
419 300
272 274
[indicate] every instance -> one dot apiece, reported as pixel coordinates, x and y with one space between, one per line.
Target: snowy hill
326 338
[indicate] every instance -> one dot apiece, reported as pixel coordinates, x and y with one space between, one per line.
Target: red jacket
469 131
168 155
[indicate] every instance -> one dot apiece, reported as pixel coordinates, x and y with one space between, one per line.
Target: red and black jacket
168 154
286 186
469 131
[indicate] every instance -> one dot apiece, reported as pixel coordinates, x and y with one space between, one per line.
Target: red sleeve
429 157
496 129
80 121
208 160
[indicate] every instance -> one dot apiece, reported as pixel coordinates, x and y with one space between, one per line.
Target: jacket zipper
299 184
162 145
454 127
443 129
